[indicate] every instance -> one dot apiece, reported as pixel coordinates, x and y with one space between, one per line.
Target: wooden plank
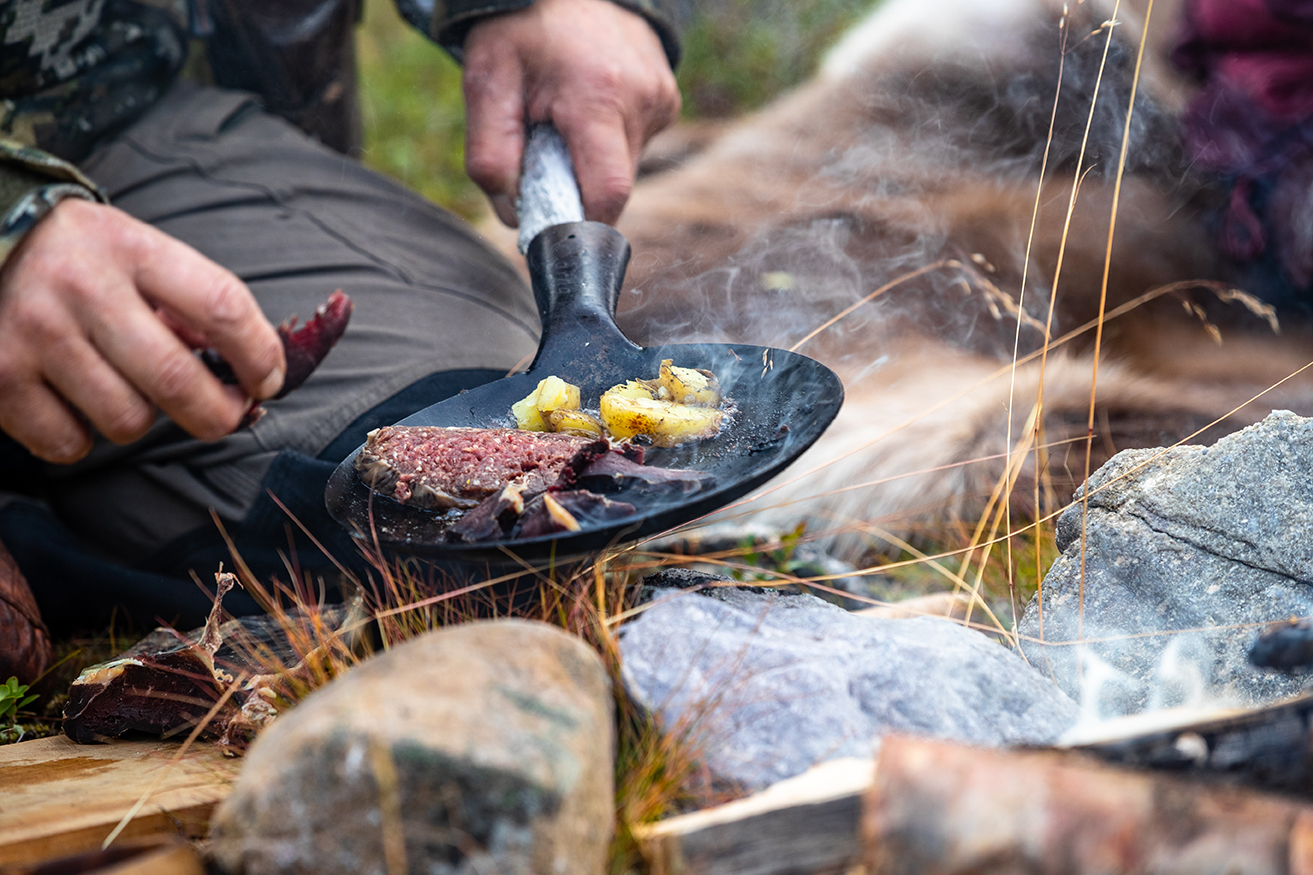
808 825
156 855
59 798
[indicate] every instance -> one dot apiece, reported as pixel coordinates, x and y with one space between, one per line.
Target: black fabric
76 589
298 56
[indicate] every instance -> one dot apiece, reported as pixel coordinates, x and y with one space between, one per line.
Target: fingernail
270 385
505 210
70 452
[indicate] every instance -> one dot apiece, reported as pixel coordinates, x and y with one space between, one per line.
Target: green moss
738 54
414 122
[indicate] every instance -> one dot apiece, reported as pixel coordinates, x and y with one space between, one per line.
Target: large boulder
1187 552
767 684
485 747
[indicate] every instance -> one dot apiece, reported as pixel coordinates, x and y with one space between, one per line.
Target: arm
98 316
599 71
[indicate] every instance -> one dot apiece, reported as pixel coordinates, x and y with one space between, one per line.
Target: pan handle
577 270
577 267
549 192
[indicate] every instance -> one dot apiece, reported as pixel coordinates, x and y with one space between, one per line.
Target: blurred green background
737 55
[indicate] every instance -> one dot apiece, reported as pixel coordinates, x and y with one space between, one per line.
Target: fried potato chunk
634 389
693 386
667 423
552 394
576 422
678 407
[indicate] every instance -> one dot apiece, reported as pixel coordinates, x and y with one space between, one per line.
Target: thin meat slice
492 519
303 349
432 467
612 471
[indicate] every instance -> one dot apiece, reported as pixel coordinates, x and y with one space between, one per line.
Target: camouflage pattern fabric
31 183
74 71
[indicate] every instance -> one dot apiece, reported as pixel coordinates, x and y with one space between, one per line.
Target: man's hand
98 316
593 68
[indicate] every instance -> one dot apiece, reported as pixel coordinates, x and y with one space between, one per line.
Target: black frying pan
784 402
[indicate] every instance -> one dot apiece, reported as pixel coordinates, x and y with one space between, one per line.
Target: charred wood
939 808
1267 748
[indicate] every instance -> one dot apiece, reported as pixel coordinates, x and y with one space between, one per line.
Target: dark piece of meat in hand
307 346
304 348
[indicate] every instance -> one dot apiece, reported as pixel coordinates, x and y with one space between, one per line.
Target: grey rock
1217 539
767 685
481 748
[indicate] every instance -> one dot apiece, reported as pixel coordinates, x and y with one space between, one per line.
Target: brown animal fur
921 142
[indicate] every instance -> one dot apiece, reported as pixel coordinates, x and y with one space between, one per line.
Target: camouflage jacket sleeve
31 183
453 18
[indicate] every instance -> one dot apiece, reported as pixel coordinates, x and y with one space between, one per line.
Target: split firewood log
25 649
938 808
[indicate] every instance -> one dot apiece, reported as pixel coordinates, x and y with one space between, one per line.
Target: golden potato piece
556 394
552 393
689 385
575 422
633 389
667 424
527 416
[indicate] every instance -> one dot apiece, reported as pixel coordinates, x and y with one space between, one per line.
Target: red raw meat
435 467
307 346
303 348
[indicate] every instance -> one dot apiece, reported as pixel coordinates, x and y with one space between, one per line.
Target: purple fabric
1252 122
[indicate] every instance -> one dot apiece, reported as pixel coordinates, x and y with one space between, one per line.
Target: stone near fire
1215 538
767 685
485 747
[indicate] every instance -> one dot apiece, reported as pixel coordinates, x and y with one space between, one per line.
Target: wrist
32 183
453 21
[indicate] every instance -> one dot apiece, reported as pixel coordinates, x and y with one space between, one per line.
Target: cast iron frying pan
784 400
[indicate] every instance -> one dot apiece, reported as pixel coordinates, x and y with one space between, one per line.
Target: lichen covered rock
479 748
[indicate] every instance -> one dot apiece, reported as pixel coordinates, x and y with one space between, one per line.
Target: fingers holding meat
100 334
84 342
